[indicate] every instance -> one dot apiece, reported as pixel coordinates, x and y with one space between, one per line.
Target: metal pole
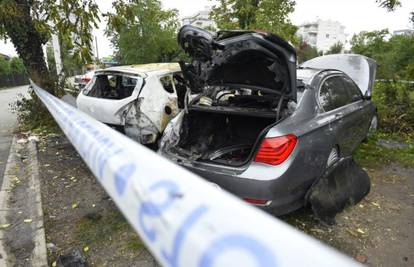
56 52
96 47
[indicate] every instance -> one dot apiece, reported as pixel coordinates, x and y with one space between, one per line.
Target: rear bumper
285 185
283 197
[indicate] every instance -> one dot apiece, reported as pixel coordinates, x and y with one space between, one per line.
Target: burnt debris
344 184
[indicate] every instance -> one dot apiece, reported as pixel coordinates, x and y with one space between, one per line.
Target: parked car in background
261 128
138 100
82 80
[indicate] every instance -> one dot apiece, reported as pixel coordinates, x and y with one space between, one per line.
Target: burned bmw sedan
260 127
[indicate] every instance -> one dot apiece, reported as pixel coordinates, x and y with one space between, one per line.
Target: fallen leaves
27 220
351 232
86 249
376 204
21 141
5 226
361 258
356 233
74 205
359 230
15 181
316 230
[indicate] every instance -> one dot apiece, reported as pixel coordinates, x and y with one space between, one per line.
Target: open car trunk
244 81
222 138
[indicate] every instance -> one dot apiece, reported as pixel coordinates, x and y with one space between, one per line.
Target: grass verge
372 154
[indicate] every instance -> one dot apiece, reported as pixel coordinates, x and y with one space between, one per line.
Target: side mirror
367 97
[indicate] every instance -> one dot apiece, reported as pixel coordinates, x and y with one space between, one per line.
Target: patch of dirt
78 214
378 231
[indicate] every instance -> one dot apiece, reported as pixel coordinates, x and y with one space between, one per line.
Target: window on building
327 36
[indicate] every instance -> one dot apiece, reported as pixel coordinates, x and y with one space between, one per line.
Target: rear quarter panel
317 134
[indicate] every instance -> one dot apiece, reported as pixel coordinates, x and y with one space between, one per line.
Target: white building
404 32
322 34
200 19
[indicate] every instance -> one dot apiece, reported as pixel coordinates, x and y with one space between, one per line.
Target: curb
38 255
4 196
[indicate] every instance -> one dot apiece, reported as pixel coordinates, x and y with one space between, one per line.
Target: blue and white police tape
183 220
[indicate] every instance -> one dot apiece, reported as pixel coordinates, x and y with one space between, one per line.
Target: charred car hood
247 59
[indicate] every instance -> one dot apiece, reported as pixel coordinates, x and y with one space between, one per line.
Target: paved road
7 123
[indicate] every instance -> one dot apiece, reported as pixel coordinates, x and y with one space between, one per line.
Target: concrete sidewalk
22 236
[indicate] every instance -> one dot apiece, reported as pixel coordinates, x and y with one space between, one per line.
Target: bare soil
378 231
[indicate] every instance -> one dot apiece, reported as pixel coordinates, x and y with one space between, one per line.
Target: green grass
90 230
134 243
371 154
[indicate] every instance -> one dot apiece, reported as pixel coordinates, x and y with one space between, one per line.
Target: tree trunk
28 43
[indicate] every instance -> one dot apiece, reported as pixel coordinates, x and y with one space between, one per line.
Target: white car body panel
152 103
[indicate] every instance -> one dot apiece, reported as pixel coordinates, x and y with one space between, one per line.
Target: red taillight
255 201
86 79
276 150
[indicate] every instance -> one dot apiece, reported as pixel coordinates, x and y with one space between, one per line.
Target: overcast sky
355 15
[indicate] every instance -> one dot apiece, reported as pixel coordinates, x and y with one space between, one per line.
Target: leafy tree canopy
335 49
305 52
390 5
30 23
4 66
13 66
268 15
412 19
17 66
394 54
142 32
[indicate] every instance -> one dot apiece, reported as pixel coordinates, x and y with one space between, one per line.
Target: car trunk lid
247 59
359 68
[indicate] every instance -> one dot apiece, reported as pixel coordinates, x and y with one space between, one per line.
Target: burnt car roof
250 59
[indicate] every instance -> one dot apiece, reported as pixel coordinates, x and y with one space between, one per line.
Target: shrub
32 114
395 103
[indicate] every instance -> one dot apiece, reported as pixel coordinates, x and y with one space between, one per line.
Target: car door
362 110
336 111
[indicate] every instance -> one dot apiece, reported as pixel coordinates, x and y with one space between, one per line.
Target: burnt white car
138 100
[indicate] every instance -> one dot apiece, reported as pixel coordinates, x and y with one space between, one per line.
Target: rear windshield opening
111 86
